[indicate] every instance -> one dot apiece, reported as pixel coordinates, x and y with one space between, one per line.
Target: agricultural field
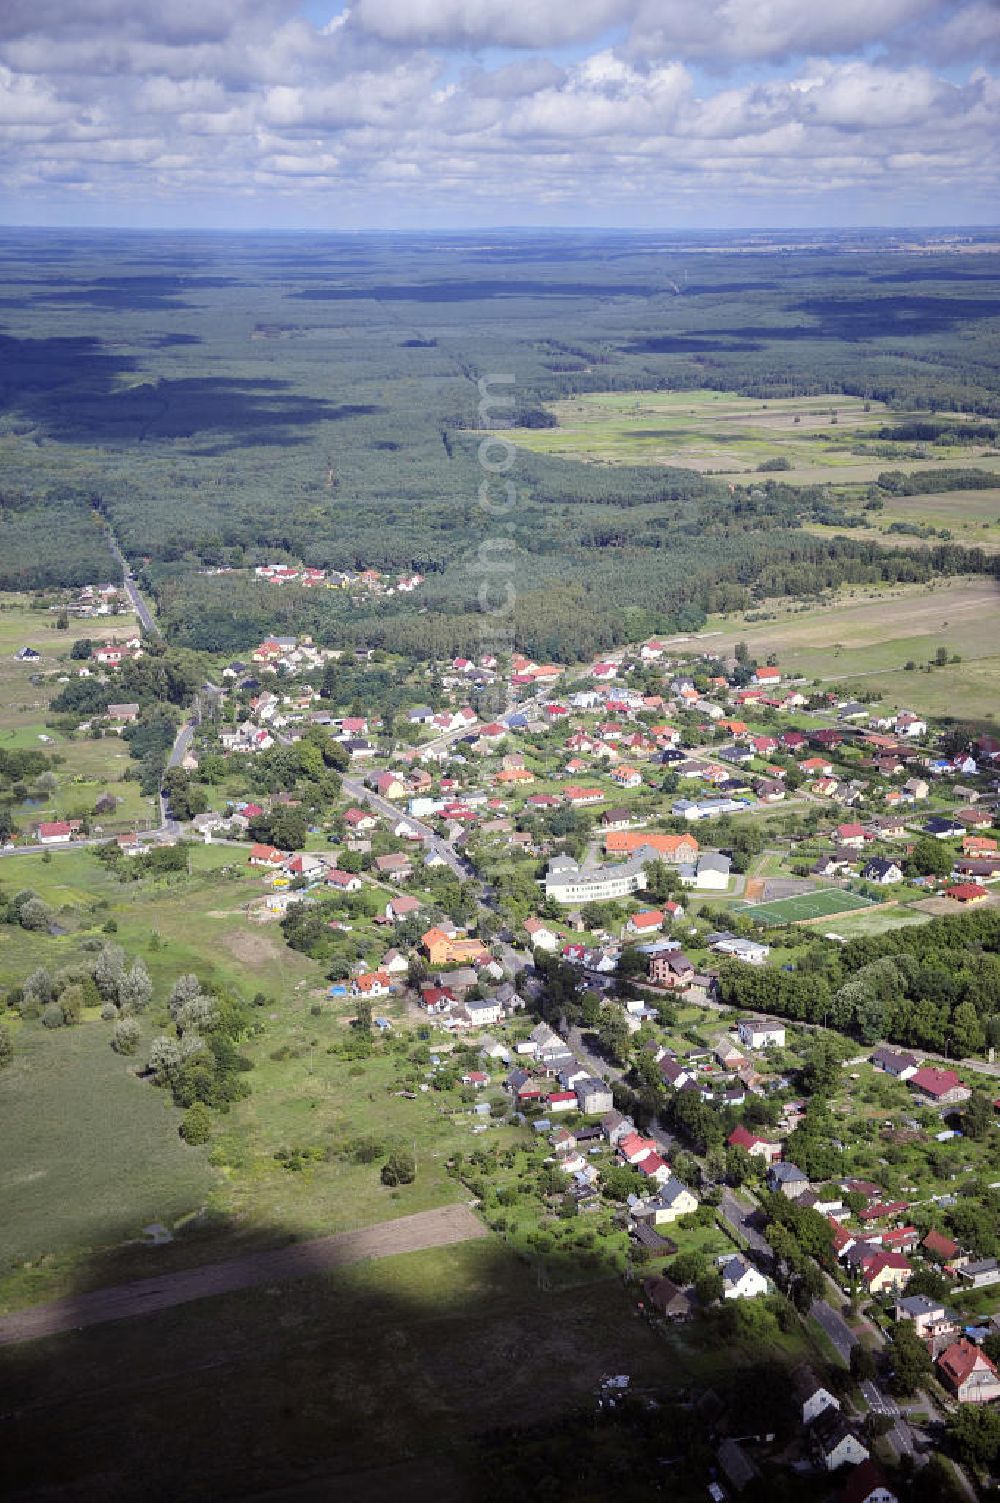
823 903
971 517
722 433
868 636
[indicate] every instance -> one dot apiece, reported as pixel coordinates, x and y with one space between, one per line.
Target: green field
866 636
718 432
91 1153
807 905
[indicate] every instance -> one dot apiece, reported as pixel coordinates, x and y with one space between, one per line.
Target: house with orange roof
646 922
627 777
676 849
265 855
442 948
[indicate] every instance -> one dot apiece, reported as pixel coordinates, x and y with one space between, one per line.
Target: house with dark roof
895 1062
834 1441
665 1298
788 1180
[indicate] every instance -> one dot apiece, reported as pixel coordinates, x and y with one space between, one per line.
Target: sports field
823 903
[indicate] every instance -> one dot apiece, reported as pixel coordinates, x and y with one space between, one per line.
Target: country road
440 1228
139 605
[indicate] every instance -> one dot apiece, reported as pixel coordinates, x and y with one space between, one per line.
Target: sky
421 114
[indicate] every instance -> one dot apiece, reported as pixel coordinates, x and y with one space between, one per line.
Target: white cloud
506 23
210 99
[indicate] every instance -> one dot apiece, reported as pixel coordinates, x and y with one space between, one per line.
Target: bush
6 1047
35 915
125 1039
399 1168
197 1124
53 1016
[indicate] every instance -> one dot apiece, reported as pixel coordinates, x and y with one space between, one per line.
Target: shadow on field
361 1382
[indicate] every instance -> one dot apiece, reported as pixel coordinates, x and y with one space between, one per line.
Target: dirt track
438 1228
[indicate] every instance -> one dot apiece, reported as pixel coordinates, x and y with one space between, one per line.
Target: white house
540 935
761 1033
673 1199
741 1280
485 1011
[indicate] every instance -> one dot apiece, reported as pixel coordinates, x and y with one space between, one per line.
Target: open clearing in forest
723 433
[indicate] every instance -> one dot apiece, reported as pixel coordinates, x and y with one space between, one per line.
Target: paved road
132 589
439 1228
835 1327
738 1213
362 794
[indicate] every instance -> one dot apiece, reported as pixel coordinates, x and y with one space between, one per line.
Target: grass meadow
724 433
866 637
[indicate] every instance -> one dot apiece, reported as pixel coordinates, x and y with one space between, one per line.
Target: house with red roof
868 1483
646 922
265 855
760 1148
768 675
968 1373
939 1247
882 1271
938 1087
57 831
967 893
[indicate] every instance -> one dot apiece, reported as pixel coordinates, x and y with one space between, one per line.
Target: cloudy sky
451 113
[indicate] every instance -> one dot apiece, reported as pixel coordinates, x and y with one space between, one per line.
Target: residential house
670 968
741 1280
442 948
811 1395
835 1442
665 1298
787 1179
760 1148
594 1096
57 831
940 1248
928 1317
882 872
673 1199
968 1373
344 881
937 1087
267 856
761 1033
540 936
895 1062
868 1484
979 1273
885 1271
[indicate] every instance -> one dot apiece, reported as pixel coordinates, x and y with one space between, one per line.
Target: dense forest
224 400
